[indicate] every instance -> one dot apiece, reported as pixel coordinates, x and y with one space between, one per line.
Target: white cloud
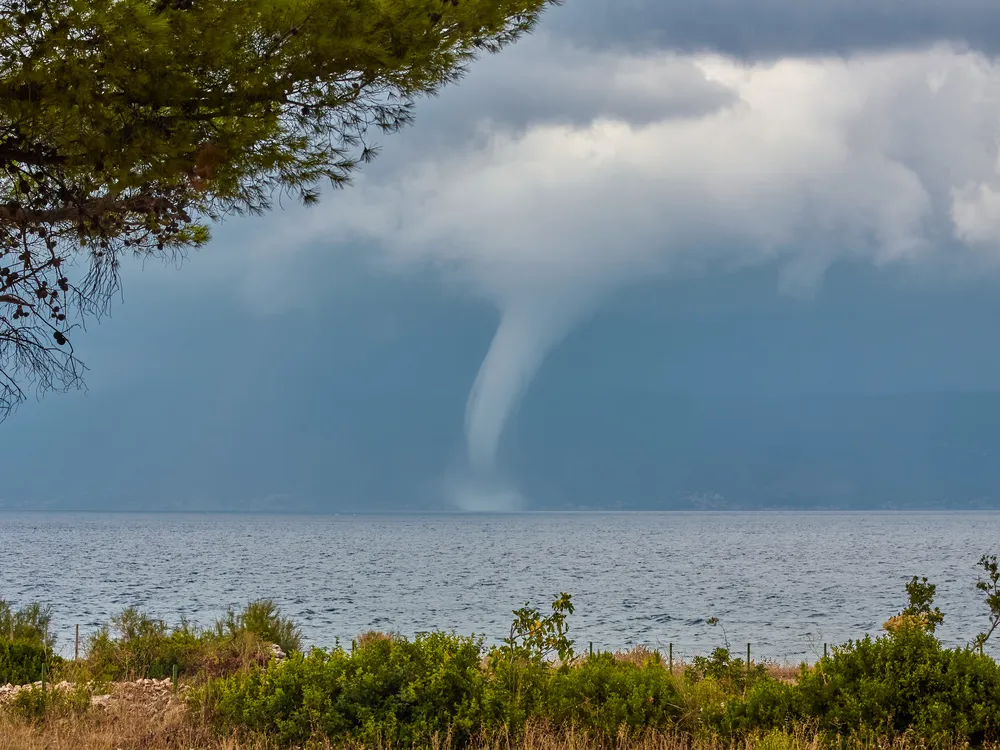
867 158
883 158
976 213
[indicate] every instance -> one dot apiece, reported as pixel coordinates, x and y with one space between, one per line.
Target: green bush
21 662
390 691
732 674
29 624
768 704
518 670
134 646
606 695
36 705
514 692
905 682
262 618
138 646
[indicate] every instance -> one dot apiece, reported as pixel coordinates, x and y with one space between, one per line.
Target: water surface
786 582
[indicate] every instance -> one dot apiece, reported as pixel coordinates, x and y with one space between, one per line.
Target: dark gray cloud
657 397
278 369
549 80
775 28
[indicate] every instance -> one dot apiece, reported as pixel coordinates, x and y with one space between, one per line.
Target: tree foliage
991 589
534 637
918 612
129 126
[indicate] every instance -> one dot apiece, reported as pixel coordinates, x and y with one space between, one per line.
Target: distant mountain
579 449
645 451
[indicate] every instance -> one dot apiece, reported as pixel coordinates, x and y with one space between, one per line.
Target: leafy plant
21 662
991 588
734 673
139 646
904 682
519 665
712 622
918 613
612 696
29 624
536 637
262 618
37 705
388 692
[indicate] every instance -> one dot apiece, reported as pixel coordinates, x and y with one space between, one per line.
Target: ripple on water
783 581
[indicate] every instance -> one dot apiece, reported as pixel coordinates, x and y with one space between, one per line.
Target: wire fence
681 654
775 656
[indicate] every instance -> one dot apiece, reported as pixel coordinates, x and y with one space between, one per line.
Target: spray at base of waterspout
477 495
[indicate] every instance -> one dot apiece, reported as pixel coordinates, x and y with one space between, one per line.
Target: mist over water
476 494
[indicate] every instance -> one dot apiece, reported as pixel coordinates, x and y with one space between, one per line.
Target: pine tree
129 126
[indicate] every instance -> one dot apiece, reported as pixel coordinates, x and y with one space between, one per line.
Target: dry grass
128 727
640 655
373 636
784 672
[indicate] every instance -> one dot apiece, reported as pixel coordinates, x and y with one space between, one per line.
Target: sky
675 253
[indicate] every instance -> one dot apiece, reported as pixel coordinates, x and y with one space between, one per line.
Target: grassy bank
175 731
247 683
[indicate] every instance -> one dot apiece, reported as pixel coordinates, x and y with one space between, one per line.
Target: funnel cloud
888 159
524 337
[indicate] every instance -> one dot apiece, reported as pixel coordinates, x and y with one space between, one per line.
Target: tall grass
29 624
134 729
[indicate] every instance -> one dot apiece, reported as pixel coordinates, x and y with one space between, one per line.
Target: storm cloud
622 143
889 159
770 29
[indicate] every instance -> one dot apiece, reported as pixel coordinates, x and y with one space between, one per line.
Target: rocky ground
155 694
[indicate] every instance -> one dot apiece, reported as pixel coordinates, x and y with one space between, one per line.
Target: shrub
905 682
514 691
607 695
767 705
262 618
35 704
733 674
21 662
29 624
518 667
389 691
918 612
138 646
30 705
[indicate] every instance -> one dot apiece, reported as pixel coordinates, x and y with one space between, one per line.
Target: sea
787 584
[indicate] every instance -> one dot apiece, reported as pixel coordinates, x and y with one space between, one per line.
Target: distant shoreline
501 514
